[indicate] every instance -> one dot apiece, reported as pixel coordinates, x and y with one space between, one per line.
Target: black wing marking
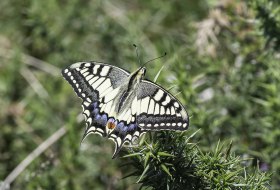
158 109
97 85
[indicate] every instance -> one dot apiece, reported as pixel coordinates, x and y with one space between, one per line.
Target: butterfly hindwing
158 109
128 133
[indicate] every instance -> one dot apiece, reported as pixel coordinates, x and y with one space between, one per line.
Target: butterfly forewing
159 110
92 79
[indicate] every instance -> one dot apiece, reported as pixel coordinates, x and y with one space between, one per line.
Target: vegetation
222 62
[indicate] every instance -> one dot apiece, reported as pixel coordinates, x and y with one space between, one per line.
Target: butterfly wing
97 85
158 109
94 80
153 108
127 130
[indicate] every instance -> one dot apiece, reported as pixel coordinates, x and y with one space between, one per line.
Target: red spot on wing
111 125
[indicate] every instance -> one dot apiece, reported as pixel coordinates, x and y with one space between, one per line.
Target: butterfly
122 106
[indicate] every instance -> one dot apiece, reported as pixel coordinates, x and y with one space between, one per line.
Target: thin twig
39 150
42 65
34 83
177 94
32 61
157 75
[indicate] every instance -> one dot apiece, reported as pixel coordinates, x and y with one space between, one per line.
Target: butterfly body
122 106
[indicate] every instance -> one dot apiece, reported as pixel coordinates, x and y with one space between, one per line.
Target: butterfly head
138 75
142 72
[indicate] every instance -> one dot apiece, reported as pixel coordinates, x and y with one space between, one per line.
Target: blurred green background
222 56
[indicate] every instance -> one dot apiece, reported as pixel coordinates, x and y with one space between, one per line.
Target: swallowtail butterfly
122 106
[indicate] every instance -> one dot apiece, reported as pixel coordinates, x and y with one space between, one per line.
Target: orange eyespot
111 125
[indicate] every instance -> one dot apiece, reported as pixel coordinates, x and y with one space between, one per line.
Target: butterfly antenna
154 59
136 49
